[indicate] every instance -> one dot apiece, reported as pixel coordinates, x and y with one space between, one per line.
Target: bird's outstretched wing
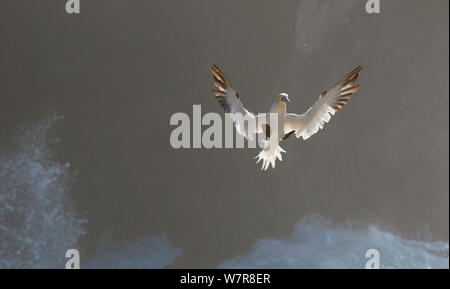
230 101
307 124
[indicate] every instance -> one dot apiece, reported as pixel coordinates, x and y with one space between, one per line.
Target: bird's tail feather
269 155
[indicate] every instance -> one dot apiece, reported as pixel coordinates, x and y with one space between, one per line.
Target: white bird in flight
303 125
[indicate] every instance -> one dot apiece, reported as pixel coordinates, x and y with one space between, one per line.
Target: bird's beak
288 100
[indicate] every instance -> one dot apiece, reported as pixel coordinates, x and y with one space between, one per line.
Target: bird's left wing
230 101
307 124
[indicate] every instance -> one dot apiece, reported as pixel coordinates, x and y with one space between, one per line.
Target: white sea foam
38 222
315 243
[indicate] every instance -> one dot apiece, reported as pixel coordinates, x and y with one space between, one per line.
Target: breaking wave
315 243
38 222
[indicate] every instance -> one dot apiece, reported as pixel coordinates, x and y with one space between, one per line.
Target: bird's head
283 97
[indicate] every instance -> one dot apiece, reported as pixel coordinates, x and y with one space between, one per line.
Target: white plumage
303 125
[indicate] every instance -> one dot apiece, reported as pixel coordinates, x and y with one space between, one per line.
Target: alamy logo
74 259
73 6
373 6
374 261
247 126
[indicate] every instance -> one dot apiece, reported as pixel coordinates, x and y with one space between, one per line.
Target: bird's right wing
230 101
307 124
